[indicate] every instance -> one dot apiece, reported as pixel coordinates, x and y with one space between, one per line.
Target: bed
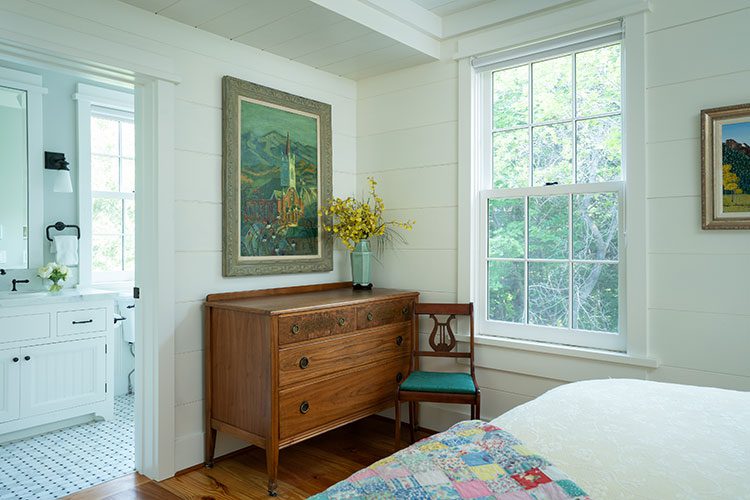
603 439
625 439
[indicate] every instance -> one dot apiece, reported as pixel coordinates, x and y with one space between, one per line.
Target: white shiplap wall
199 59
699 320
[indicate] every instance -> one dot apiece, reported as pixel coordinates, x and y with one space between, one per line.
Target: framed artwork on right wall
725 158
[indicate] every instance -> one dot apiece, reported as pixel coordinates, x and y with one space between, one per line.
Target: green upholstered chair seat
453 383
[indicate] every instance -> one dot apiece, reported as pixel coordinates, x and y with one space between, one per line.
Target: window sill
563 350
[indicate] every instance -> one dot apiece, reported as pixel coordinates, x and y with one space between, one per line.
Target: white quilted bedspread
633 439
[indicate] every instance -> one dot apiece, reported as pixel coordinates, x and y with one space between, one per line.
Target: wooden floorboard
305 468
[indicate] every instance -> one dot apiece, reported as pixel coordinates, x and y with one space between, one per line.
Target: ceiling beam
413 14
387 23
495 12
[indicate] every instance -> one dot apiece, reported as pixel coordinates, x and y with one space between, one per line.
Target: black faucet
2 272
15 282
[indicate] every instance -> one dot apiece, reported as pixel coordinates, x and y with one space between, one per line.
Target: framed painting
277 169
725 157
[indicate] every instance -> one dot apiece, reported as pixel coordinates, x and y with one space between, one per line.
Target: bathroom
67 358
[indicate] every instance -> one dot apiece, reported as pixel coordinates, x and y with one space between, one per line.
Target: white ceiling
351 38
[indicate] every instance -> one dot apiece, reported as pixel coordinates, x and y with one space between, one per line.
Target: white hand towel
66 249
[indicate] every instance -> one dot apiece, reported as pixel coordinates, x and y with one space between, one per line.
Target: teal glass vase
361 263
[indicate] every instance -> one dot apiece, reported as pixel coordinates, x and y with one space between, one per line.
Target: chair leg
479 413
412 419
397 418
472 411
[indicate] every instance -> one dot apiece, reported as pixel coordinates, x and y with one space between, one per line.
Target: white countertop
30 298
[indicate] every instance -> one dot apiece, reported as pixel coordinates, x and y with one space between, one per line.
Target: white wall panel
196 228
671 168
199 176
672 53
414 147
188 326
701 341
667 13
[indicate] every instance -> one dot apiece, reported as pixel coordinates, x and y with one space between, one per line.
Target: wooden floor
304 469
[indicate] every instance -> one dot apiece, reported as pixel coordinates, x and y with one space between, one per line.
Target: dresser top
281 301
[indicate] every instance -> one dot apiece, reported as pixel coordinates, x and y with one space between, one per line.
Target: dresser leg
272 466
210 447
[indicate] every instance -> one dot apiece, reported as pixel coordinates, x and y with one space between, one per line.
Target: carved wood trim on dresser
286 364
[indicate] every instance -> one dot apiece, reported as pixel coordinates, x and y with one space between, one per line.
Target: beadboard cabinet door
62 375
9 384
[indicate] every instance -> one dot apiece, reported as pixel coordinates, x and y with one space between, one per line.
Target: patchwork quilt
472 459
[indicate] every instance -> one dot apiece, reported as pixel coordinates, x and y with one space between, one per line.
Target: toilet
125 350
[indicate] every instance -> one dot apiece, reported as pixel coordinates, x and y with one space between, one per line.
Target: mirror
14 206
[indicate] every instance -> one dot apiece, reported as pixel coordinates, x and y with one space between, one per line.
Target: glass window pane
595 297
598 81
130 253
128 176
552 82
599 155
553 154
506 221
505 291
548 293
105 136
548 227
107 216
128 139
129 216
510 159
510 101
595 226
105 174
106 253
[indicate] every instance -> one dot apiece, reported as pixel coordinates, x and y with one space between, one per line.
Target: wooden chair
438 387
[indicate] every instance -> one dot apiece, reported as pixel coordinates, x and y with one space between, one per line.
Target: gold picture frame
277 165
725 167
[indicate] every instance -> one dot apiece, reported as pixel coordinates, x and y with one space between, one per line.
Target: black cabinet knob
27 358
399 377
15 360
304 407
304 362
399 340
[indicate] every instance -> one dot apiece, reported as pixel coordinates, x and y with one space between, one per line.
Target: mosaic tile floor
57 463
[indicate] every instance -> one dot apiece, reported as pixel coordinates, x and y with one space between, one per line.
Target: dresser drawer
383 313
305 326
306 361
24 327
310 406
81 321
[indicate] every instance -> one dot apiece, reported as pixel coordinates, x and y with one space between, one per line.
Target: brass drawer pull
399 340
304 407
369 316
295 329
399 377
405 310
342 321
304 362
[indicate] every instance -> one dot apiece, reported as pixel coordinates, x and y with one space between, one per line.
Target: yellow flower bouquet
355 222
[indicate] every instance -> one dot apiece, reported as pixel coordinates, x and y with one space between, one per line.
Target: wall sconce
57 162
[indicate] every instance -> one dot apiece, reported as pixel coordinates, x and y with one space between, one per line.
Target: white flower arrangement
54 272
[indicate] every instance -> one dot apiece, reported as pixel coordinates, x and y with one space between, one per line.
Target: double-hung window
551 177
112 195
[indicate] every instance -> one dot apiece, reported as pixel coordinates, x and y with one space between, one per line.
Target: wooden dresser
283 365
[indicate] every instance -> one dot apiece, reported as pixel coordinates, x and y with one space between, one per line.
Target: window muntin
113 195
553 199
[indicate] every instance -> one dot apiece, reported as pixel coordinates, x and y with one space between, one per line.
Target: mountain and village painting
725 169
277 170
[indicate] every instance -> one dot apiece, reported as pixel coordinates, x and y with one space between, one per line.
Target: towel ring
60 226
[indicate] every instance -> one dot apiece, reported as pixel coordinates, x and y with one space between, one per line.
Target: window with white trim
551 192
112 195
